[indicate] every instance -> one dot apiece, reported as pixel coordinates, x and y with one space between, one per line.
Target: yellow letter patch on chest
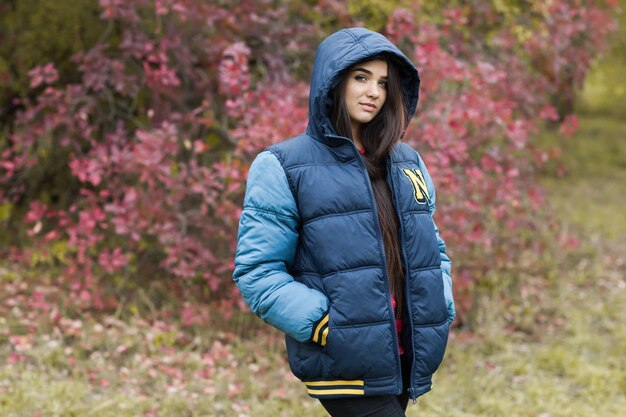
419 185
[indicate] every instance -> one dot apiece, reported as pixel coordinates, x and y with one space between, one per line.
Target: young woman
337 245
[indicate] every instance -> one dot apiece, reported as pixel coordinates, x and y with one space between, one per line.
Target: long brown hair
378 137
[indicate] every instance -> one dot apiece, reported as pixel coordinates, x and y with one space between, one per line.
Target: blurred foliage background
543 331
35 32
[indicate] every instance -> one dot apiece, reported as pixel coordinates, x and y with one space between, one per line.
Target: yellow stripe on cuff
324 336
316 336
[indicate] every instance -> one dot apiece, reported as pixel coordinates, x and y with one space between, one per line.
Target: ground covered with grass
568 360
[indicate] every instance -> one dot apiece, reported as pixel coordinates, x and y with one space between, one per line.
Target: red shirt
398 326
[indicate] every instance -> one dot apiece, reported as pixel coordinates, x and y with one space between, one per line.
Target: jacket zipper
382 245
412 393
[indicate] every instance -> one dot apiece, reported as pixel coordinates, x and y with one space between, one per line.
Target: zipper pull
412 395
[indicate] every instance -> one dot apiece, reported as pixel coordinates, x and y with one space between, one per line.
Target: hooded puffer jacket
310 257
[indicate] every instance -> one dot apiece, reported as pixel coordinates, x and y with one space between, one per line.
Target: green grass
580 370
604 90
591 195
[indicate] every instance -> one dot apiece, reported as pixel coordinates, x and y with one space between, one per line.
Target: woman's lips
368 106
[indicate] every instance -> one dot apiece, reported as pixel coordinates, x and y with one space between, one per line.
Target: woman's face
366 91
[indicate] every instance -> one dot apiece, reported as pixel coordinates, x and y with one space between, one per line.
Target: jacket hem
336 388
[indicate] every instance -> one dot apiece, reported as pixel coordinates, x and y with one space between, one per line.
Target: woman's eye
383 84
360 78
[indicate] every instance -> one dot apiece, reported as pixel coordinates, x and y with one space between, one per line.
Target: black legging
373 406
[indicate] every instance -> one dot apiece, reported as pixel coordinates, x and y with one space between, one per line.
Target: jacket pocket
358 352
429 347
305 359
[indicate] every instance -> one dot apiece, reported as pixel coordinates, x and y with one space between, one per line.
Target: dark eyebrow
367 72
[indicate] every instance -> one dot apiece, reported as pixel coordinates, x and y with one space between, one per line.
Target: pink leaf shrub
47 74
152 146
154 141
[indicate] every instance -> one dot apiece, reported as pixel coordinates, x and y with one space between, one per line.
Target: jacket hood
340 51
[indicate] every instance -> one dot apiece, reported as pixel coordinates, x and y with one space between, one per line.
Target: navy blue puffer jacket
310 257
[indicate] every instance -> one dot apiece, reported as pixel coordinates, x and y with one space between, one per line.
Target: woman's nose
373 90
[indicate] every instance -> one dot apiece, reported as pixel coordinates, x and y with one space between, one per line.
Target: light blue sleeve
446 263
266 245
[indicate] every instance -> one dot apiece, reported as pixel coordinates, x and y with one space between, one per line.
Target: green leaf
5 211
